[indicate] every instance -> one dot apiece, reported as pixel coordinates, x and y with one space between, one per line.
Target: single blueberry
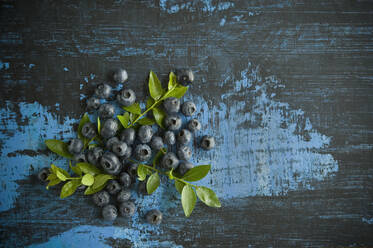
127 209
172 122
185 76
109 212
113 187
128 153
80 158
120 148
43 174
126 97
94 155
128 135
184 152
171 105
75 146
110 142
103 91
169 138
169 161
184 167
154 217
188 108
143 152
132 170
93 103
101 198
207 142
109 129
145 134
89 130
156 143
125 179
141 188
106 110
110 163
124 195
120 75
194 125
184 136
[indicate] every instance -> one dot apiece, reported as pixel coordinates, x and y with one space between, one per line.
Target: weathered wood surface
285 86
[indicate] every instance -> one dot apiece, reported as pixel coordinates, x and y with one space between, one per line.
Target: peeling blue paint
4 65
367 220
66 69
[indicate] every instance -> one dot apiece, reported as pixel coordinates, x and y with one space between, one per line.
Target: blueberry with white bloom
185 76
127 209
89 130
188 108
143 152
126 97
184 137
120 75
171 105
169 161
43 174
101 198
184 152
110 163
184 167
145 134
109 128
75 146
109 212
80 158
169 138
128 135
110 142
125 179
119 148
157 143
207 142
172 122
132 170
94 155
124 195
113 187
93 103
106 110
103 91
194 125
154 217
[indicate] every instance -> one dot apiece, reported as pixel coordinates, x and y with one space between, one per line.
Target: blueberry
194 125
110 128
113 187
141 189
120 75
128 153
185 76
172 122
145 134
188 108
80 158
125 179
106 110
43 174
171 105
120 148
132 170
94 155
127 209
143 152
154 217
126 97
208 142
89 130
124 195
169 138
109 212
184 167
101 198
75 146
93 103
110 163
157 143
184 136
128 135
103 91
184 152
110 142
169 161
82 188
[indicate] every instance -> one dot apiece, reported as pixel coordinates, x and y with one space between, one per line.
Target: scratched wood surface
285 86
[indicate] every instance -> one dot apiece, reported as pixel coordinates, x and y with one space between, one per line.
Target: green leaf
172 81
76 170
99 184
61 176
53 182
155 87
197 173
98 125
146 121
159 116
63 171
51 177
158 156
152 183
134 108
149 102
59 147
142 172
88 168
208 197
124 119
69 188
188 199
178 92
85 119
179 186
88 180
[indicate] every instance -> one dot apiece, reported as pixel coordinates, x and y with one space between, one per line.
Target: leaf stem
183 181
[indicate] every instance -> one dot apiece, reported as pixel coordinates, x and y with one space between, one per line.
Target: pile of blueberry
120 150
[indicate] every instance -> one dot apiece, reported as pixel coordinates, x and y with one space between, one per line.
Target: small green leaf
99 184
158 156
53 182
61 176
88 180
124 119
54 168
177 92
142 172
172 81
159 116
63 172
188 199
179 186
59 147
76 170
155 87
85 119
152 183
134 108
88 168
208 197
98 125
197 173
69 188
51 177
146 121
149 102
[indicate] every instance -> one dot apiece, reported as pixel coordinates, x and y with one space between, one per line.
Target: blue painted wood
284 86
